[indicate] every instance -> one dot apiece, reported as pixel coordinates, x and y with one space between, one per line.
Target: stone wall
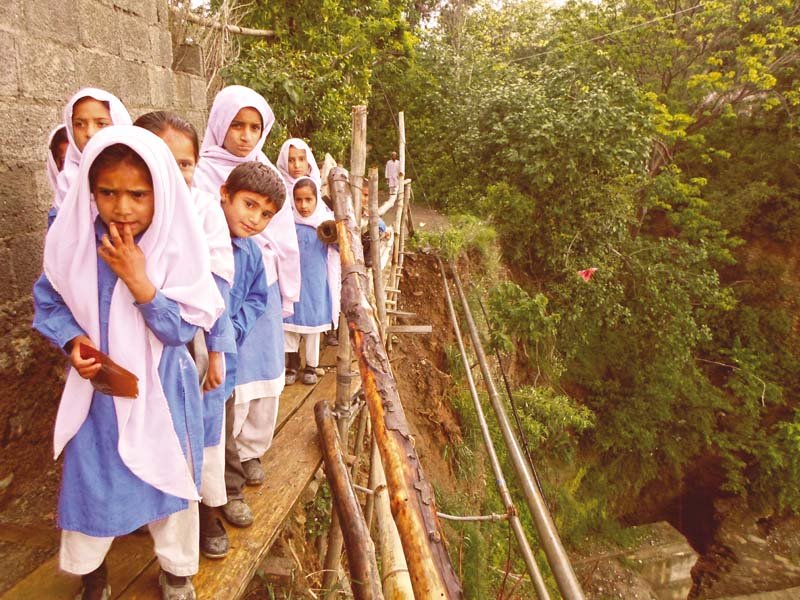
50 49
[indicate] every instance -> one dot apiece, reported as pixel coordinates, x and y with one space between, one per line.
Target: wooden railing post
411 495
364 577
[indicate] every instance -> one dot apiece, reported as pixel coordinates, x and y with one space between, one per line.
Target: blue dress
313 311
221 338
248 301
99 495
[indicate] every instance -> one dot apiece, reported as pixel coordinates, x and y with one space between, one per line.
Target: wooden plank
34 536
290 465
129 556
401 313
132 555
410 328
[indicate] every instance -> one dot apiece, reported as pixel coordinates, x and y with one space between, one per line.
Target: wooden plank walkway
290 465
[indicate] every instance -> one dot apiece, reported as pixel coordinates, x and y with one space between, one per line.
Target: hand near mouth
127 261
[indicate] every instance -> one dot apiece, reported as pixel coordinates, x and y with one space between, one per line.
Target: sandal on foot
253 471
174 587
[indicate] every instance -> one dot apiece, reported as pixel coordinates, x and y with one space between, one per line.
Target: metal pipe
548 535
502 487
361 562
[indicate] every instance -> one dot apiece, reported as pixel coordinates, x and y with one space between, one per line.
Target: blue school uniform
261 354
99 495
220 338
248 301
312 312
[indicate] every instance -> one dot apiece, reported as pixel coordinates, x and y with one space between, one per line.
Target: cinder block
198 88
26 251
189 59
134 37
19 210
47 70
9 80
196 118
160 47
11 14
162 12
135 83
161 92
97 26
98 69
183 90
7 292
22 137
146 9
55 20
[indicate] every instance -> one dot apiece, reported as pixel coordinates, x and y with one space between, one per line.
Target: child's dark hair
60 137
305 183
113 155
258 178
87 97
160 121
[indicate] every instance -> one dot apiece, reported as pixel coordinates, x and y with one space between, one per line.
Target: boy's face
305 200
124 196
182 149
243 133
88 117
246 212
298 163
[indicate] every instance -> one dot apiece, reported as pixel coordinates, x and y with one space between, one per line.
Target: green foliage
464 234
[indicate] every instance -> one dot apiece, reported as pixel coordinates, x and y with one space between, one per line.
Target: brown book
111 379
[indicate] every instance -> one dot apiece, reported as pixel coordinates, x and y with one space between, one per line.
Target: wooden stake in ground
364 577
411 495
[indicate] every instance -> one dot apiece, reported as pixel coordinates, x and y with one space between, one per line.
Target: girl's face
61 155
124 196
298 162
183 150
243 133
88 117
305 200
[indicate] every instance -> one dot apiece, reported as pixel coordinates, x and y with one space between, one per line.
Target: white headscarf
216 232
177 263
51 165
323 213
119 116
283 163
216 163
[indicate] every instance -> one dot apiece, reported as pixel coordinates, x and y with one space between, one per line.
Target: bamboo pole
375 252
358 156
344 358
548 535
361 562
411 496
499 478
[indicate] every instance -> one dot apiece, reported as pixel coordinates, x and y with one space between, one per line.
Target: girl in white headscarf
134 282
238 124
57 144
87 112
318 306
295 160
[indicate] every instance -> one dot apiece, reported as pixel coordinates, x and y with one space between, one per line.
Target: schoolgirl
318 306
238 124
87 112
296 160
181 138
57 144
134 282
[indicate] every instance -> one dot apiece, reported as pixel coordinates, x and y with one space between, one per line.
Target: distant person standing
391 173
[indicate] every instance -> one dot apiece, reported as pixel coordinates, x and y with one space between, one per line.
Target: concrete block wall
50 49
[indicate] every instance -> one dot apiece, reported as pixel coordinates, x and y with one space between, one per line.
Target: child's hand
127 260
86 367
216 372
